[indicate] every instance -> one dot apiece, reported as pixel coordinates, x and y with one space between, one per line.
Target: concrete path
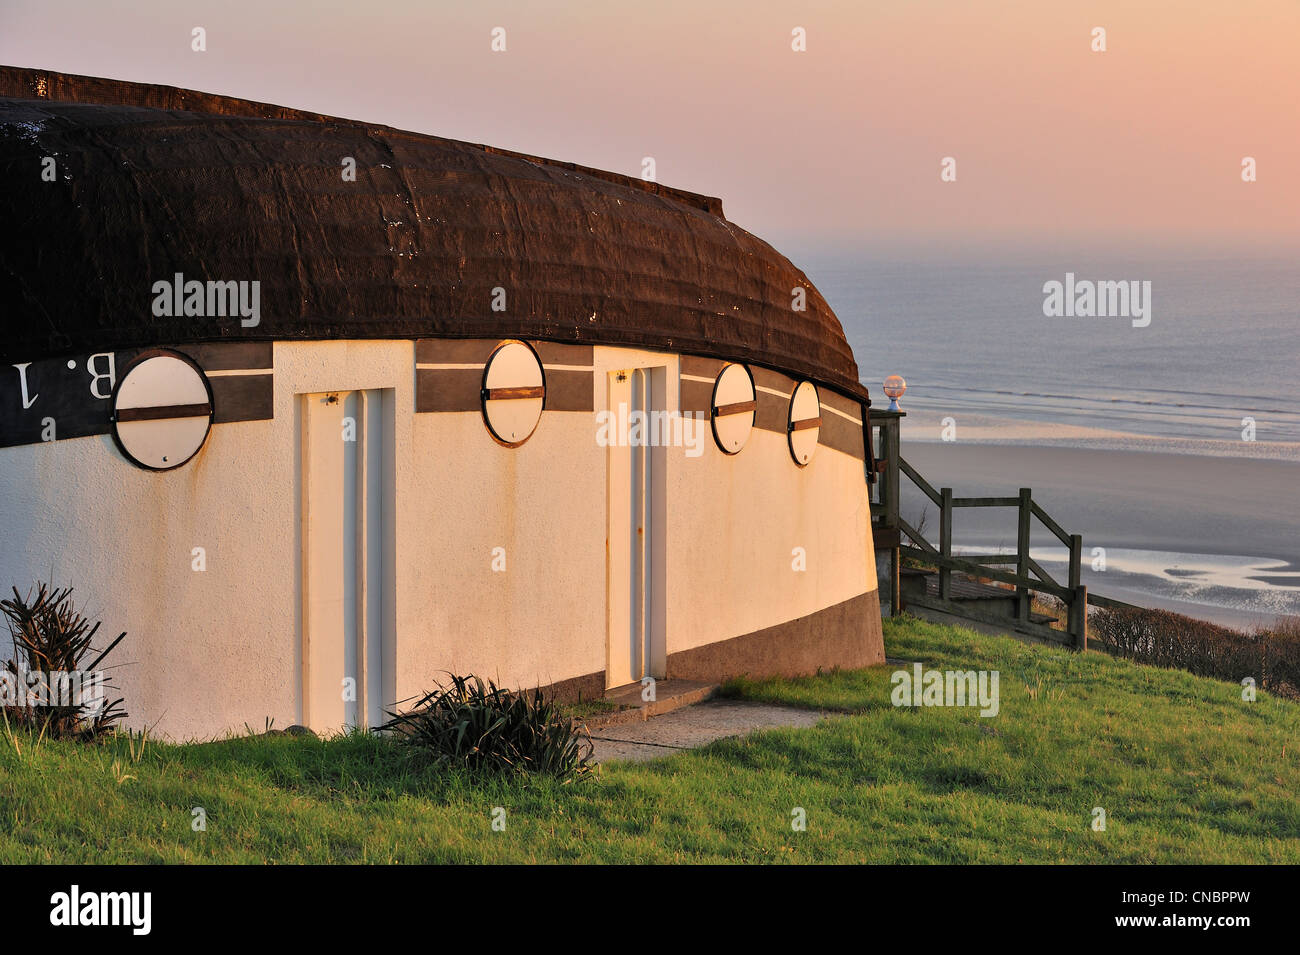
691 727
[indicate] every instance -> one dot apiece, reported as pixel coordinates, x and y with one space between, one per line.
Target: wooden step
964 588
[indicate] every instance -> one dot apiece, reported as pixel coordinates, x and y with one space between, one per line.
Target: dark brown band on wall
568 390
697 377
241 376
696 396
552 353
701 367
848 406
68 397
454 351
766 378
242 398
840 434
773 410
570 387
847 635
234 356
570 378
448 389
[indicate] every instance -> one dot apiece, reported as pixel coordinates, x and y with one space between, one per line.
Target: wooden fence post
1076 559
890 450
945 542
889 439
1079 618
1022 553
895 584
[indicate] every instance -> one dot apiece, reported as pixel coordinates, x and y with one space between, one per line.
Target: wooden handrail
926 487
1042 574
1050 524
1097 600
924 545
1029 575
982 570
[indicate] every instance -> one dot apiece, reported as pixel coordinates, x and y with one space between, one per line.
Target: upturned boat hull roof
153 182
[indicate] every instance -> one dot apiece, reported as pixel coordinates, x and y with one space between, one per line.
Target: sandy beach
924 424
1211 536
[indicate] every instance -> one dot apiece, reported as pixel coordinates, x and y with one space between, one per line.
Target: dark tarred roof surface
153 180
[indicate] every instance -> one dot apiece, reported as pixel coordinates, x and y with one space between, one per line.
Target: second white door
636 481
346 524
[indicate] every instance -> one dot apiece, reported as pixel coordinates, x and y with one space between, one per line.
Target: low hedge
1163 638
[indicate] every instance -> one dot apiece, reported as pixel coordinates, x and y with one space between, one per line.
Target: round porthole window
162 410
733 408
805 422
514 389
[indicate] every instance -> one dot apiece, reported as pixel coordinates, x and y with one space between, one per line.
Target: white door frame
636 524
346 520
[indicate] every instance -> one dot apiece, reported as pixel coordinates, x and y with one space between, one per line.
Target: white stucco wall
540 620
734 521
210 652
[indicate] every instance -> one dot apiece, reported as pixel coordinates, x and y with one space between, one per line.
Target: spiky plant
51 640
480 726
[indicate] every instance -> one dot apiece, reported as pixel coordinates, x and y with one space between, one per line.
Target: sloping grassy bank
1184 769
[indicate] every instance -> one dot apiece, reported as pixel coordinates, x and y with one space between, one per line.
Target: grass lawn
1185 770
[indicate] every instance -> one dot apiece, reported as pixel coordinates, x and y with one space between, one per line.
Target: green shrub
50 637
483 727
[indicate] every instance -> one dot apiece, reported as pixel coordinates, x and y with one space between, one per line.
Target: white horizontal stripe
707 381
423 367
239 372
846 417
772 391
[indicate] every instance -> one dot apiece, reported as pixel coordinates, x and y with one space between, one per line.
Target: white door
346 523
636 479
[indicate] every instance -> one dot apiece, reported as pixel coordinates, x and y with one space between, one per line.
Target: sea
1223 341
1215 371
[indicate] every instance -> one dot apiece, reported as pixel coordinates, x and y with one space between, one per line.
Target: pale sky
839 144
